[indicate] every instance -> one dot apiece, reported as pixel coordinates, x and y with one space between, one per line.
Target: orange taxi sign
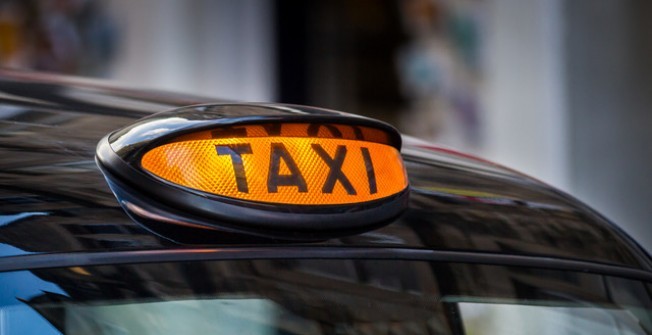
244 170
294 164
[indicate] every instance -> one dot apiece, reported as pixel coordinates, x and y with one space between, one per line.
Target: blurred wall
525 119
568 96
609 83
215 48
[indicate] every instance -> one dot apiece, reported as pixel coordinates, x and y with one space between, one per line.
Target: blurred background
560 90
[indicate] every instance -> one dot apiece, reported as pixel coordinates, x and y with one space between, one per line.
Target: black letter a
274 180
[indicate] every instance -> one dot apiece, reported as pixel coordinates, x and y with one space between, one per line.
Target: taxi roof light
274 168
281 169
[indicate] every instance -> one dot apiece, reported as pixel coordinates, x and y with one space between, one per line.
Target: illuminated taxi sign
268 170
289 168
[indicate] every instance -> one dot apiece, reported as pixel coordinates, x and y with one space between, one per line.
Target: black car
127 211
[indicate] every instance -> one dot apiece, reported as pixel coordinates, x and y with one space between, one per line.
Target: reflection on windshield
15 316
505 319
265 317
329 297
191 317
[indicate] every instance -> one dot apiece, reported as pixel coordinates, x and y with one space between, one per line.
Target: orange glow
281 170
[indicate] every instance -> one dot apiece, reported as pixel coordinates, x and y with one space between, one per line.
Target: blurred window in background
64 36
414 63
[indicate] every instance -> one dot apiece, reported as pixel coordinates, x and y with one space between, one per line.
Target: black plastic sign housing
182 214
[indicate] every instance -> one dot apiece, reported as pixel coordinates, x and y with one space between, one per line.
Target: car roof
54 199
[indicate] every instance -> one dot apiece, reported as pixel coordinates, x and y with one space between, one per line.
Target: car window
505 318
320 297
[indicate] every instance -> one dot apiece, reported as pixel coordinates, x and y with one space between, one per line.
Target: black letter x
335 166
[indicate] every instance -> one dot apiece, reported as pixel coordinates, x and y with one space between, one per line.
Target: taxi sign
262 168
289 167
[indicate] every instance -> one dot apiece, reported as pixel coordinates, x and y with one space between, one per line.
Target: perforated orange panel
283 170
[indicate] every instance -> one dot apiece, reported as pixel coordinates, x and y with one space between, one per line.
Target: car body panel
54 199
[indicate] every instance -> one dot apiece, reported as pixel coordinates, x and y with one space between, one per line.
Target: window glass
320 297
505 319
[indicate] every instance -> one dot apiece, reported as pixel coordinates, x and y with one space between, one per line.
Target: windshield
320 297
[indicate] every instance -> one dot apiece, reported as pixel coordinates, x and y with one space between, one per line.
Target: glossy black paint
53 198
